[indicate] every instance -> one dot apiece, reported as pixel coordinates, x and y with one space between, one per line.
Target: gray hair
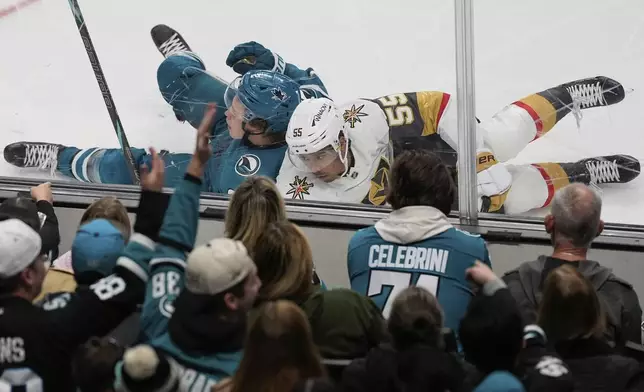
576 209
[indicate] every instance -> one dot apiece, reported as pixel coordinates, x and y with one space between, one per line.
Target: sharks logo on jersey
248 165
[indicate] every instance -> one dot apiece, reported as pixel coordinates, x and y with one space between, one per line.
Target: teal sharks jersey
242 160
381 269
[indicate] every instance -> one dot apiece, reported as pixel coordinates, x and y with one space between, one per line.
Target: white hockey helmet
313 135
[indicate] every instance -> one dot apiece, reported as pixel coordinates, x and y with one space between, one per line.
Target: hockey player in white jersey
343 152
325 162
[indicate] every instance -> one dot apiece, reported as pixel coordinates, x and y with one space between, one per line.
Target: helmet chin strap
344 158
247 132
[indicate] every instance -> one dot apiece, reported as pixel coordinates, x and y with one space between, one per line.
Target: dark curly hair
420 178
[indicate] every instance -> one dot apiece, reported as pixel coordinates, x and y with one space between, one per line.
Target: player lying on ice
343 152
248 138
413 120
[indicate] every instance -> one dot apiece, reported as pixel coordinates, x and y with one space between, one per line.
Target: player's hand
493 181
43 192
252 55
203 149
480 273
152 179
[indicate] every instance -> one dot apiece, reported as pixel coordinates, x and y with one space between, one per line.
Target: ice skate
594 92
611 169
168 41
33 155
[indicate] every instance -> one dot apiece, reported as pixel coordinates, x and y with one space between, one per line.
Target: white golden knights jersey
377 130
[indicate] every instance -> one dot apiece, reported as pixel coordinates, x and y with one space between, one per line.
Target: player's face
234 119
326 163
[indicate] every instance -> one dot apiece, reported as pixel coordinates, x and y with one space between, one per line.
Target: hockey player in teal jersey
415 244
187 86
259 106
196 301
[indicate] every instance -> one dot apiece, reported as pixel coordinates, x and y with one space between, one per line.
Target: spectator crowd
142 308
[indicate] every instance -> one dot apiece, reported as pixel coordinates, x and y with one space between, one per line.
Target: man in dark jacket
499 346
39 342
574 222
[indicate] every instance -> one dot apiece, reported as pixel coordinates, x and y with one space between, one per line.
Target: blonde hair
284 263
255 204
570 308
112 209
278 350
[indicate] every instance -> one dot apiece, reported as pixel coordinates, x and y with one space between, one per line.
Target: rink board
329 230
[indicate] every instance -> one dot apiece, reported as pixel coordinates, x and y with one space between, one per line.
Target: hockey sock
546 108
556 176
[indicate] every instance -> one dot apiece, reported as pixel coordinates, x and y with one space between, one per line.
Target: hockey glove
493 182
251 55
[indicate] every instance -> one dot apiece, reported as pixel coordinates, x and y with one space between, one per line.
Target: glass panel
359 49
551 77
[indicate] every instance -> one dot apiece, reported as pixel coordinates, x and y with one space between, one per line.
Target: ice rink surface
360 48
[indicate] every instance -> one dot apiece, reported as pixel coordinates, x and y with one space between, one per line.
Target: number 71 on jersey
398 281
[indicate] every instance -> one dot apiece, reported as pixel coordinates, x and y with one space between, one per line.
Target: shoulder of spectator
612 278
342 298
358 238
523 267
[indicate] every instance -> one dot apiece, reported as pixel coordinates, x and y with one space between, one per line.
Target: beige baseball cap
217 266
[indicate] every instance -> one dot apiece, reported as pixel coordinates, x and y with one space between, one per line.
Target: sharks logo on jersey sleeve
248 165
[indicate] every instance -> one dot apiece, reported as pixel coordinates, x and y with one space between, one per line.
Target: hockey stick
102 84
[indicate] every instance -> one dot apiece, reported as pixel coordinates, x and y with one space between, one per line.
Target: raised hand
203 149
480 273
152 179
43 192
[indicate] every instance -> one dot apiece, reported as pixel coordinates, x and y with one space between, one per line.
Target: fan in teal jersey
196 300
415 244
268 91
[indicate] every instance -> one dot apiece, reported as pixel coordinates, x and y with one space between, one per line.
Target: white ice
360 48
